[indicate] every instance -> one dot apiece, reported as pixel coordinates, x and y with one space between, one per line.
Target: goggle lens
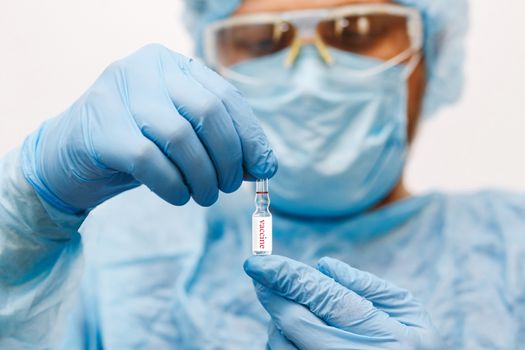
379 36
245 42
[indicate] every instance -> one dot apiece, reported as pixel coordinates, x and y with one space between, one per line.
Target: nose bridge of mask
311 75
309 69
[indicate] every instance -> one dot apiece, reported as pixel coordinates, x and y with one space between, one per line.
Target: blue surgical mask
340 138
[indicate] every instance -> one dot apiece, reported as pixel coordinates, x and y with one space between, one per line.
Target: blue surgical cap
446 23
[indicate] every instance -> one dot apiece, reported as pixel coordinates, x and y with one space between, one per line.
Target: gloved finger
335 304
277 341
396 302
307 331
259 159
208 117
158 120
143 160
183 147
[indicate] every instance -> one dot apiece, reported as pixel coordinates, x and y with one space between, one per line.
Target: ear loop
411 65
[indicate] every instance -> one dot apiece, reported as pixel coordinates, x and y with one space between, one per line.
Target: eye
256 45
352 26
359 30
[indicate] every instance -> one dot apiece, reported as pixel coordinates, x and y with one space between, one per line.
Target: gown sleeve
40 262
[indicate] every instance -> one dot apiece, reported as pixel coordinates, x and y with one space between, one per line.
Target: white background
51 51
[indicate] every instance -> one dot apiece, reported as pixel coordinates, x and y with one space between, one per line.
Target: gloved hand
155 118
337 307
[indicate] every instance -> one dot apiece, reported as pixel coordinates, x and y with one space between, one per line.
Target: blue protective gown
159 277
167 277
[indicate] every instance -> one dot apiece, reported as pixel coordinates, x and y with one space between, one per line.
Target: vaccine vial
262 220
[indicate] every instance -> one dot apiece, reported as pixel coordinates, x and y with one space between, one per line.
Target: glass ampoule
262 220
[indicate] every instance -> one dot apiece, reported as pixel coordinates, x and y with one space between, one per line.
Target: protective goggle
390 34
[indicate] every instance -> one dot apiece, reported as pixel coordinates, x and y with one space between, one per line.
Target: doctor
337 88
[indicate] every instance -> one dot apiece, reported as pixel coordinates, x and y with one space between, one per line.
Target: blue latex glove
337 307
155 118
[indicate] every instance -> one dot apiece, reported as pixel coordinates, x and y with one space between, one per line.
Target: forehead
252 6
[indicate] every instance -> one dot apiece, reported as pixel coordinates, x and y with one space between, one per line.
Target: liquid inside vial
262 220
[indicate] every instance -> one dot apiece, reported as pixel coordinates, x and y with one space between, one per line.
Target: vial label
262 235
